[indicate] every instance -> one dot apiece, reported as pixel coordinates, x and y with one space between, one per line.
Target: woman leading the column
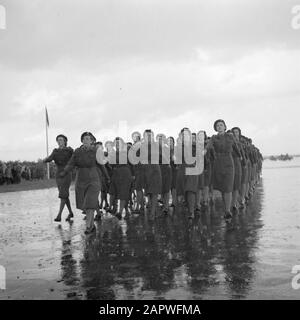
223 170
61 156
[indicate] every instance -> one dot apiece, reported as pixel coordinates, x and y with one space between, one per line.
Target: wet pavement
170 258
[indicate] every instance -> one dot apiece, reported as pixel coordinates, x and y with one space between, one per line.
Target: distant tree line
282 157
12 172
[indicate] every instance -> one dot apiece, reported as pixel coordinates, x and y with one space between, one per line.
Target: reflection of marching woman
61 156
223 170
87 182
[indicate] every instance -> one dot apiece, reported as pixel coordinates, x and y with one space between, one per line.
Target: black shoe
57 219
227 215
191 215
98 217
119 216
69 217
235 209
89 231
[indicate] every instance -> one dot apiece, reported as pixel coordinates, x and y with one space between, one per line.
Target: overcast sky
160 64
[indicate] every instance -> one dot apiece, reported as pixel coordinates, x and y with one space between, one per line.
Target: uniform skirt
186 183
205 177
174 176
153 180
249 171
121 181
166 178
139 171
237 174
244 179
63 185
253 171
223 173
104 185
87 188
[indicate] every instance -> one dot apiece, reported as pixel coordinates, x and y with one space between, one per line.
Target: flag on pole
47 148
47 118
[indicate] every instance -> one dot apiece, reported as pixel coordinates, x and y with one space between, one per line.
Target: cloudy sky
105 65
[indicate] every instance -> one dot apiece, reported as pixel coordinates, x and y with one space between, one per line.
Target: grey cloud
99 33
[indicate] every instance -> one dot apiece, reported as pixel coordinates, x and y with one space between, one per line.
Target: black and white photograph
149 150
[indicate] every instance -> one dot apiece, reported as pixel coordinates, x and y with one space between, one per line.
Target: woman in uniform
171 144
244 173
152 173
165 168
250 170
121 180
61 156
187 185
139 175
205 177
108 167
87 183
223 170
104 179
239 163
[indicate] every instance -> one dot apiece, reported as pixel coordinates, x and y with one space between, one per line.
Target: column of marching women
121 180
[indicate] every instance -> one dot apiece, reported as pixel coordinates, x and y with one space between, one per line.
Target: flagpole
47 145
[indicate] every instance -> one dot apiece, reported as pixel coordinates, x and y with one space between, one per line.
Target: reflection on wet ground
170 258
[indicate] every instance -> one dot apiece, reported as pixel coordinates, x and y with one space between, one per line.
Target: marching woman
205 177
139 174
109 146
186 185
87 183
223 170
244 176
166 172
254 178
239 163
211 188
104 179
61 156
250 169
153 180
171 144
120 187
